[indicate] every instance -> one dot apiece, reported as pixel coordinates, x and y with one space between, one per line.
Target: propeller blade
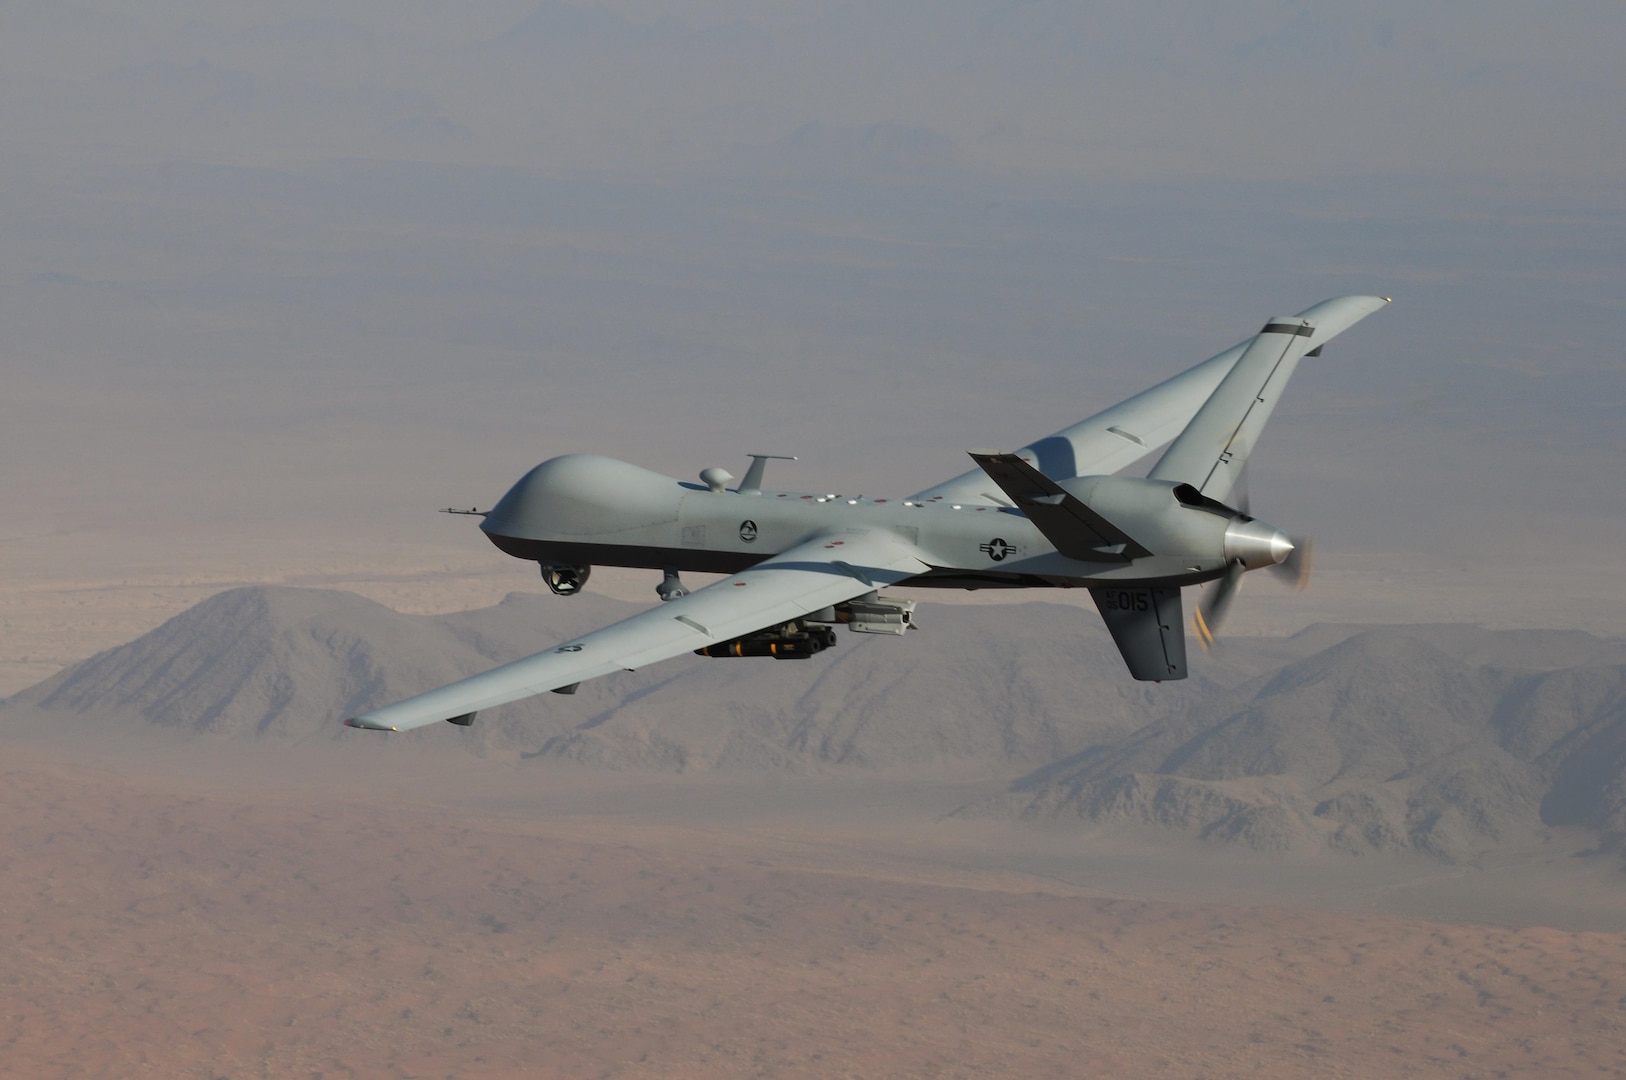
1239 492
1209 613
1296 567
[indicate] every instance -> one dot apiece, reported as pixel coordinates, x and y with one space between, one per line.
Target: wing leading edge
822 571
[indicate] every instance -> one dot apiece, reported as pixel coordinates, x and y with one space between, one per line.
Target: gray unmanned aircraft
1050 515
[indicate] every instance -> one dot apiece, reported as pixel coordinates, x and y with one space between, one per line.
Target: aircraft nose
1256 544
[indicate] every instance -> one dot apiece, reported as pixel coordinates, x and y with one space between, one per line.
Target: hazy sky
318 267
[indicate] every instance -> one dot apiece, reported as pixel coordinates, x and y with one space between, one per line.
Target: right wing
823 571
1126 432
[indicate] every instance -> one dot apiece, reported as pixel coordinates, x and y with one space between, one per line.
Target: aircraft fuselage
586 510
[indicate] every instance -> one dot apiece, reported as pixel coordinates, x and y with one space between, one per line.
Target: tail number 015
1126 600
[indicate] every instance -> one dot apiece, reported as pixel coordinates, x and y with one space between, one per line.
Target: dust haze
277 284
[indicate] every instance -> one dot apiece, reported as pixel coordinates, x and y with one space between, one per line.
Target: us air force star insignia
748 531
996 549
568 648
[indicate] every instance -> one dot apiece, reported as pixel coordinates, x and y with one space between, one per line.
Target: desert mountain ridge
1387 741
1002 687
1442 740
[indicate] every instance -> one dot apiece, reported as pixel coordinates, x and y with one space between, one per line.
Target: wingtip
360 722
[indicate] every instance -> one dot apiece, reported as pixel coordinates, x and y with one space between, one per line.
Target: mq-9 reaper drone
1051 515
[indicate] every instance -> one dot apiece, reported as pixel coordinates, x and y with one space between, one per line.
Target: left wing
820 572
1130 430
1213 449
1108 441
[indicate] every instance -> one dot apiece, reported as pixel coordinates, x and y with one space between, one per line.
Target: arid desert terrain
280 281
153 928
256 893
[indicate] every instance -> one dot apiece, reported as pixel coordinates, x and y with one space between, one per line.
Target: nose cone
1256 544
580 495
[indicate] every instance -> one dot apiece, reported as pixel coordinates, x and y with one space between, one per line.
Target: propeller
1294 567
1209 615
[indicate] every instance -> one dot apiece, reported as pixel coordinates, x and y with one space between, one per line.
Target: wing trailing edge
1212 450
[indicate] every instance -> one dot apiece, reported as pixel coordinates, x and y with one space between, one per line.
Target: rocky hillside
1439 740
988 687
1443 740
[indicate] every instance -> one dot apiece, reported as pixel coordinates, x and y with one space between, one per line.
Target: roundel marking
996 549
748 531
